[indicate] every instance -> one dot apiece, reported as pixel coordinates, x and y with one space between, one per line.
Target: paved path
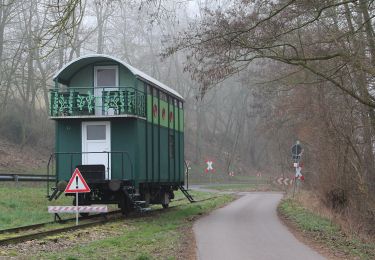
248 228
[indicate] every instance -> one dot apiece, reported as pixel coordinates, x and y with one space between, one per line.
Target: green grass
156 236
325 231
25 204
239 187
200 178
232 187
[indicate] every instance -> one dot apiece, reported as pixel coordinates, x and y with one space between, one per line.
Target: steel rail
33 226
18 239
21 238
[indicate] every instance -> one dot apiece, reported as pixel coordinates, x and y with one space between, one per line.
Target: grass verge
261 186
25 204
324 232
164 234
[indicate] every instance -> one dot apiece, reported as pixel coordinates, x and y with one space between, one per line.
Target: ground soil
187 248
21 159
59 242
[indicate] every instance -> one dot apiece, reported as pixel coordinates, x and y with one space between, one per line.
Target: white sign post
297 152
77 184
209 168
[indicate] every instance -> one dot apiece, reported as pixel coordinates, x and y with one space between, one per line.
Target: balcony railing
103 101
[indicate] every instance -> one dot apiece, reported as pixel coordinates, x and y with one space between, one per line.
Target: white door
96 137
105 79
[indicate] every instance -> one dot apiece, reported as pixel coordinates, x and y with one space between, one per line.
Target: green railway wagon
122 129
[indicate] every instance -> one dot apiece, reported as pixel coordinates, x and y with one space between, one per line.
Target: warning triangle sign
77 183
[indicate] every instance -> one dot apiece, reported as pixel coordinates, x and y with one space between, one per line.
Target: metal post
48 179
107 165
71 162
76 208
122 165
295 179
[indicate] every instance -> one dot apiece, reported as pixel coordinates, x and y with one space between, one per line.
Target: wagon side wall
68 140
161 139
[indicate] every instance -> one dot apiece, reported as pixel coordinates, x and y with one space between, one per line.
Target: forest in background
256 76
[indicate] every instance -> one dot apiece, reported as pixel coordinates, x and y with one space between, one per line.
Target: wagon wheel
166 200
124 203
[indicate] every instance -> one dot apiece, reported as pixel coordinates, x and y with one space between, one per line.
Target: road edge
192 242
305 237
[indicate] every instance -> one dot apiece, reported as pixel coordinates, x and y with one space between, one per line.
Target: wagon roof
64 73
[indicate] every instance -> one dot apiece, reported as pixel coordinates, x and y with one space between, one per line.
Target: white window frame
99 97
96 68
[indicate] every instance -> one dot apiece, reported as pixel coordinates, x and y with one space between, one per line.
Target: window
96 132
149 89
163 96
106 77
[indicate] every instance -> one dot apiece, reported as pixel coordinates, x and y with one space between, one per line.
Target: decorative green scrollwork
55 104
62 104
107 100
131 101
122 102
70 102
141 104
90 99
80 102
115 100
76 102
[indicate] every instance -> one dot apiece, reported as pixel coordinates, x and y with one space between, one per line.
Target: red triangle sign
77 183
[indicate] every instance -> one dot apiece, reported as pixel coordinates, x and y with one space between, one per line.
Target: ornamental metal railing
103 101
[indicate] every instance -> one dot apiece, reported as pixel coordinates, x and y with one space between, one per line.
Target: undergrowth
324 231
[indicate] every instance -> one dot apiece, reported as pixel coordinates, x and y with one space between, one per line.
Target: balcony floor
96 117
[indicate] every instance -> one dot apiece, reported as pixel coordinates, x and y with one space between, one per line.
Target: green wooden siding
163 111
160 166
148 142
85 76
164 173
126 78
123 138
149 108
153 104
181 120
68 140
151 154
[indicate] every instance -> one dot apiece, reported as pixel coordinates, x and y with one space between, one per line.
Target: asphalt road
248 228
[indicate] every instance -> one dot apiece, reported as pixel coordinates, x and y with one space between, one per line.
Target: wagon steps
134 199
186 193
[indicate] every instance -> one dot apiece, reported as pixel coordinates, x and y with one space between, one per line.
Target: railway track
38 231
40 225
